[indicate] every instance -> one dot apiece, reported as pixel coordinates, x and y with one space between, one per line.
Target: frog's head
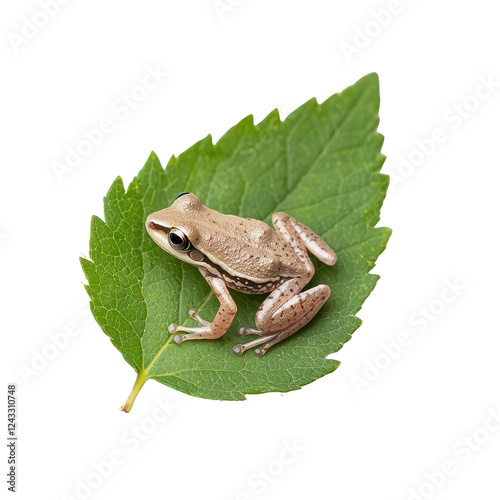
176 228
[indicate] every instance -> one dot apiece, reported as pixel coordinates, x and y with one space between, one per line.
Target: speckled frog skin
249 256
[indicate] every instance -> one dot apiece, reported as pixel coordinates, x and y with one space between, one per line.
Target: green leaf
321 165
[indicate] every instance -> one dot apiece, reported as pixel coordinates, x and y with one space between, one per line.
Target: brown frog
249 256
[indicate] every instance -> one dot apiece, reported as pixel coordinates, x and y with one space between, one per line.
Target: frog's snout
152 225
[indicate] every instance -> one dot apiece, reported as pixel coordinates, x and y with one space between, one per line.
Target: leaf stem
139 382
142 376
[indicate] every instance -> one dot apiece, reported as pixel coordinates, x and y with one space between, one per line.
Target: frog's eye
178 240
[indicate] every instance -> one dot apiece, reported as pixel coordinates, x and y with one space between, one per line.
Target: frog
249 256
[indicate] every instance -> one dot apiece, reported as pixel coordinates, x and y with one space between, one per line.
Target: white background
377 428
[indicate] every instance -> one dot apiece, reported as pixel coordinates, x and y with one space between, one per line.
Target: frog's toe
239 349
172 328
260 351
193 313
249 331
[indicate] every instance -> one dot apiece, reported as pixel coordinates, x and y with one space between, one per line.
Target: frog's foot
239 349
201 330
259 352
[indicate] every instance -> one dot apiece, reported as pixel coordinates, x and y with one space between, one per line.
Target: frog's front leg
220 324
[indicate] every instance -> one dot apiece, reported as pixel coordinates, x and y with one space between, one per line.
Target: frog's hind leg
288 308
310 301
278 319
286 225
324 294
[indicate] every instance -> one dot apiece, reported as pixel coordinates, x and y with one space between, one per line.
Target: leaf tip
85 263
386 231
153 157
370 80
117 189
373 77
152 163
95 222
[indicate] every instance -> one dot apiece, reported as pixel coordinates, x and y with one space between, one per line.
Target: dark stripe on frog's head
159 227
182 194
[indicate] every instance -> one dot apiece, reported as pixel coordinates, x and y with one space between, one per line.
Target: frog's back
246 251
